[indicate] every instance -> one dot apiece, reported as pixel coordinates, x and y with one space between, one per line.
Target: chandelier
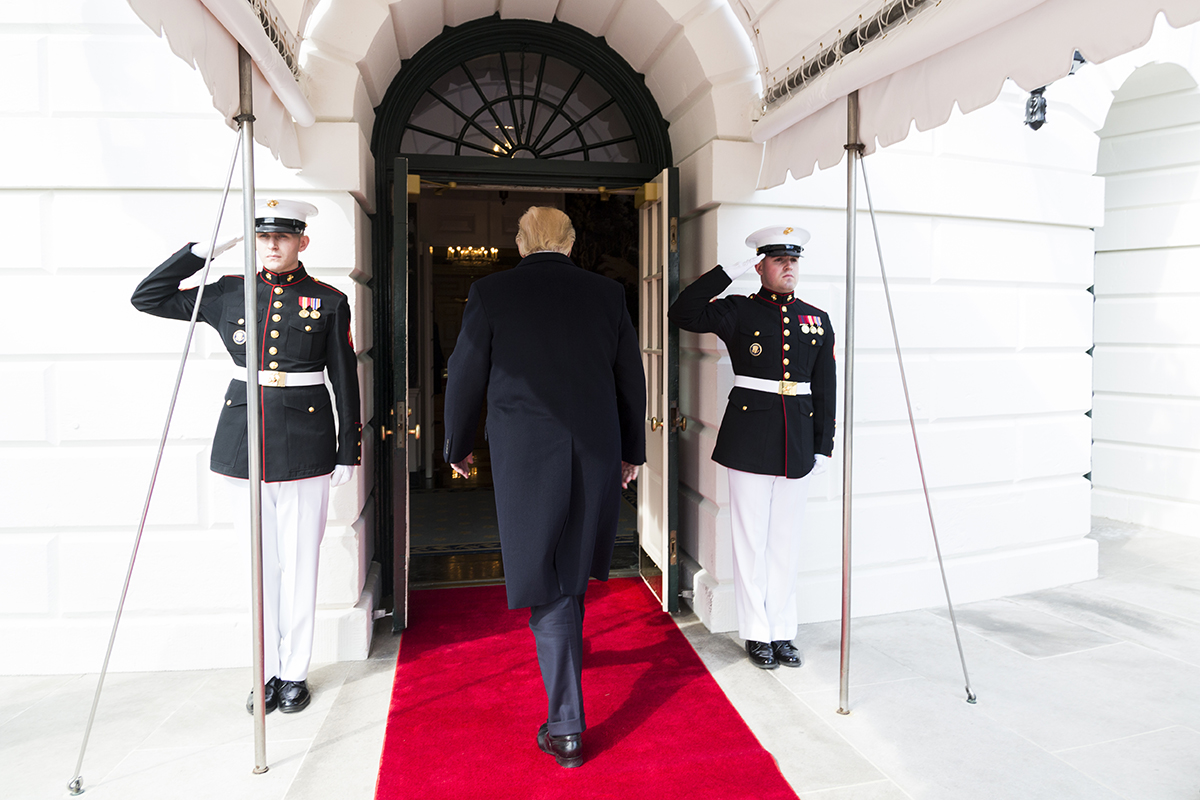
473 256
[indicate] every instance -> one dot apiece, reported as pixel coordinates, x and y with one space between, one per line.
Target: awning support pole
245 119
75 787
853 153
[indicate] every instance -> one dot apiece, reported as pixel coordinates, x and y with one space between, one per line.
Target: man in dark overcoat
778 427
304 336
552 348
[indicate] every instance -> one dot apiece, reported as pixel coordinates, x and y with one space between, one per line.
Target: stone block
1147 471
27 241
342 570
638 32
121 74
138 415
1160 320
346 162
26 567
22 61
346 28
380 63
68 12
460 11
1178 516
416 22
186 572
985 250
26 405
1146 371
1151 421
592 16
676 77
99 486
541 10
1157 188
1155 271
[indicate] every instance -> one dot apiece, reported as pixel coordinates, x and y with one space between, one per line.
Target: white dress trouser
767 512
293 522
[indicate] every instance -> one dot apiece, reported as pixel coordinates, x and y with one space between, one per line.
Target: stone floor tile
1026 630
937 747
1160 765
225 772
1169 635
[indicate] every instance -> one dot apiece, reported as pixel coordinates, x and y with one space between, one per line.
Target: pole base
75 787
845 712
260 770
970 696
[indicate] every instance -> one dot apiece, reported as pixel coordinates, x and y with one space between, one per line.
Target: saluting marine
778 425
303 335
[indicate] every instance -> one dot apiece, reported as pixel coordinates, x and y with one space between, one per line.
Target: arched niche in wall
521 103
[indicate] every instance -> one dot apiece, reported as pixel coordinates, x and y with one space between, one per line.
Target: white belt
269 377
790 388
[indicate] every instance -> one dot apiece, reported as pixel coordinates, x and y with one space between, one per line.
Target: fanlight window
519 105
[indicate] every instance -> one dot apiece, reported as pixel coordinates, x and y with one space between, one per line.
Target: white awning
206 34
957 52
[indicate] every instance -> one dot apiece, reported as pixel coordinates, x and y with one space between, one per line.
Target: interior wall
1146 458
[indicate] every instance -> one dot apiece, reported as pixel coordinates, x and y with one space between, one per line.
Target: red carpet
468 700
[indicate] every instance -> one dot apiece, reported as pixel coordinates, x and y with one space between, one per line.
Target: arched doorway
490 112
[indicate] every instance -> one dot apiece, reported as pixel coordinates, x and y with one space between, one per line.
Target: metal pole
853 153
254 433
75 787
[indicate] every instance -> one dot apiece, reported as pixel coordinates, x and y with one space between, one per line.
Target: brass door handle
682 424
383 433
415 432
655 424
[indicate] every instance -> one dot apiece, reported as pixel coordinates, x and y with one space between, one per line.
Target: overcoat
774 337
552 348
299 436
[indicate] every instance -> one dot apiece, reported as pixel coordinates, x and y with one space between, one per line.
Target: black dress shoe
566 749
293 696
762 655
786 653
270 696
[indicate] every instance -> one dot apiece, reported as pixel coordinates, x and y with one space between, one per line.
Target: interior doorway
460 234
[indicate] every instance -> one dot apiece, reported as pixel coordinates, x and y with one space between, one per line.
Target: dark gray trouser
558 630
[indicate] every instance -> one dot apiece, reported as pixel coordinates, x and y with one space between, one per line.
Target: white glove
741 267
820 462
200 249
341 474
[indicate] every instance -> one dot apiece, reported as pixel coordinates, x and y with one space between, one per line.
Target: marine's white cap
282 216
778 240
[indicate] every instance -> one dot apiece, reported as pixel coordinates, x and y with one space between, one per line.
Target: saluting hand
202 249
741 267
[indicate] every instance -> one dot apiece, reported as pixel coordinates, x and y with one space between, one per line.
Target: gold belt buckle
273 378
788 388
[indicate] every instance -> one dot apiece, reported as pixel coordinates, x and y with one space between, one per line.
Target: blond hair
544 228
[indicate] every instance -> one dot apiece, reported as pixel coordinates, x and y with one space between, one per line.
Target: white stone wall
1147 359
113 159
987 235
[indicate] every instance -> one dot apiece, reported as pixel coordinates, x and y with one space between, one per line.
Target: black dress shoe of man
270 696
786 654
566 749
293 696
762 655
